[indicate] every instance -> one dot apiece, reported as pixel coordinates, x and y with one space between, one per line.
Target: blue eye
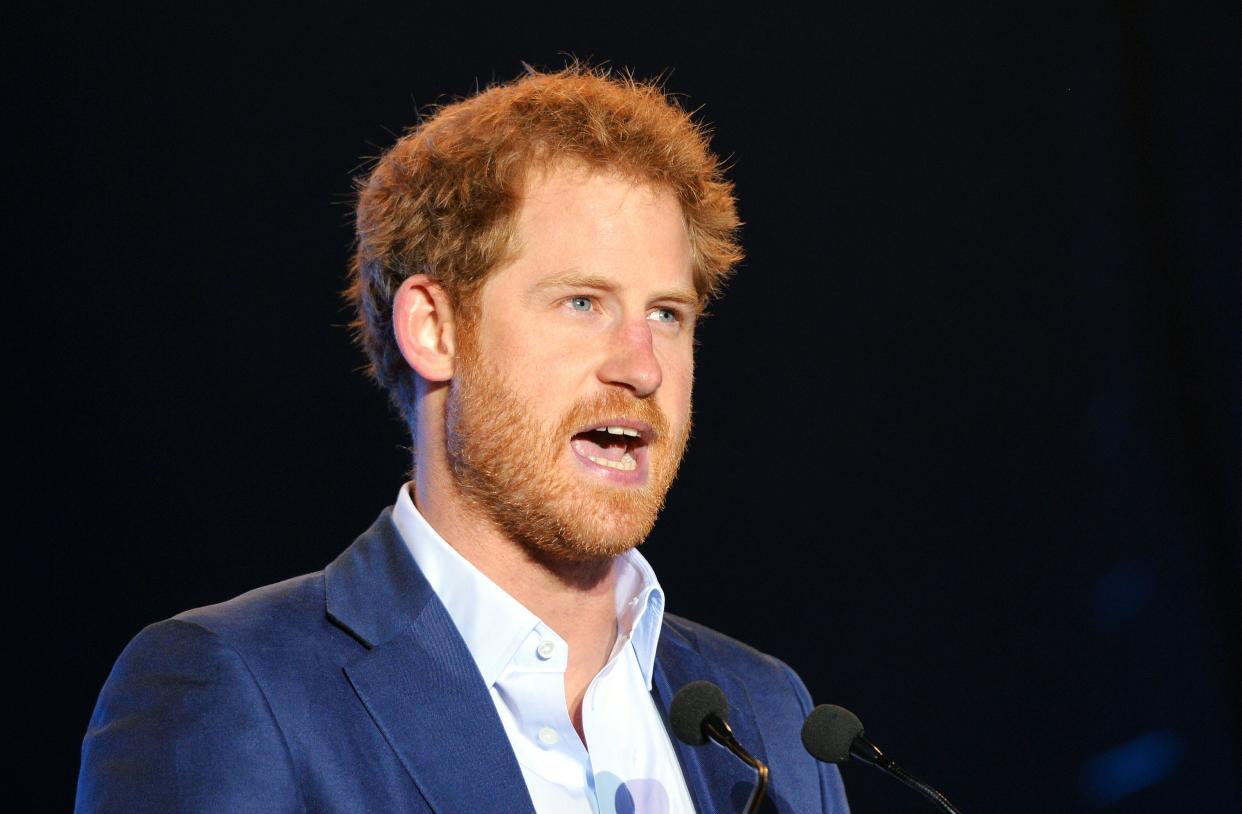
666 315
580 303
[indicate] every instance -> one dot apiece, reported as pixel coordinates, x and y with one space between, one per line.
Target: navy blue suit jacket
351 690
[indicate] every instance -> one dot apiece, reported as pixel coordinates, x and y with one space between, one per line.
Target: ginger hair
443 200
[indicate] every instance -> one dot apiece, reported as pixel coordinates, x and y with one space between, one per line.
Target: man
530 265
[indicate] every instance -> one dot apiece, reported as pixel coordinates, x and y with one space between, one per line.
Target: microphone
833 734
700 711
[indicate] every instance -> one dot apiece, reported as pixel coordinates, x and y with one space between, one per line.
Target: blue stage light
1130 767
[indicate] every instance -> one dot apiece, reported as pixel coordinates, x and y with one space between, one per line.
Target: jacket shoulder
769 681
264 614
182 725
739 658
283 634
779 702
196 712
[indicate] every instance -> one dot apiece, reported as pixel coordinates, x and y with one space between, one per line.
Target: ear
422 319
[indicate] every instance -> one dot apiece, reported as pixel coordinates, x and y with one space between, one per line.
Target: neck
577 600
562 594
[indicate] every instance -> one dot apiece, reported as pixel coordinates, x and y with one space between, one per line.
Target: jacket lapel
418 680
718 781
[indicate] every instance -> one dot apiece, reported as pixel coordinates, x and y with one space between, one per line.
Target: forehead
572 218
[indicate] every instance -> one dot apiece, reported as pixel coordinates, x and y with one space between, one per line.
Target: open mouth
615 446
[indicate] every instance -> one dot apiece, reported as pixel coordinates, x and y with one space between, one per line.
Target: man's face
569 407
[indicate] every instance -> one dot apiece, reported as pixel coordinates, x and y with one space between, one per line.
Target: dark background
968 435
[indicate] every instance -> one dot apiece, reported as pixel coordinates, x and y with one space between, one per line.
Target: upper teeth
633 433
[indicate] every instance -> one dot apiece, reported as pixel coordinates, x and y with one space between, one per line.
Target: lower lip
617 477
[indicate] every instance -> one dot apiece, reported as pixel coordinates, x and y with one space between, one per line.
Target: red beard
518 473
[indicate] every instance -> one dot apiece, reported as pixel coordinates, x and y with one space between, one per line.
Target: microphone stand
868 752
719 730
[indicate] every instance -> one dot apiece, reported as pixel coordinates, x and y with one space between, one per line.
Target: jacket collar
717 780
423 689
418 680
373 588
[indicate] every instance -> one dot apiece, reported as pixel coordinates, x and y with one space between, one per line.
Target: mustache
616 404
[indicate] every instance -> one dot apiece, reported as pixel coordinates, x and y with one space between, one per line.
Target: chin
584 535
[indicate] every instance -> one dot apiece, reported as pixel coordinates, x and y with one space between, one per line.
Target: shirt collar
640 608
493 624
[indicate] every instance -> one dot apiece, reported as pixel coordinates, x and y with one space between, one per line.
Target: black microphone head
828 732
692 705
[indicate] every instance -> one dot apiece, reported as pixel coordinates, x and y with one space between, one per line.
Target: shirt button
548 736
545 651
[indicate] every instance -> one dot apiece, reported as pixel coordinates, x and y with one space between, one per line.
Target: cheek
541 366
678 382
532 335
515 347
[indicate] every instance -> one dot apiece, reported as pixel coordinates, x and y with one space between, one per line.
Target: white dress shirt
631 767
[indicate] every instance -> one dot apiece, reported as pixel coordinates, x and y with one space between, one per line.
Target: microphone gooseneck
700 712
834 734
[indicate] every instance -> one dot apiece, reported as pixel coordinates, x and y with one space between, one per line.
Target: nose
631 360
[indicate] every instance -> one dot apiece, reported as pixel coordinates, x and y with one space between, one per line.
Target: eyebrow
578 279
